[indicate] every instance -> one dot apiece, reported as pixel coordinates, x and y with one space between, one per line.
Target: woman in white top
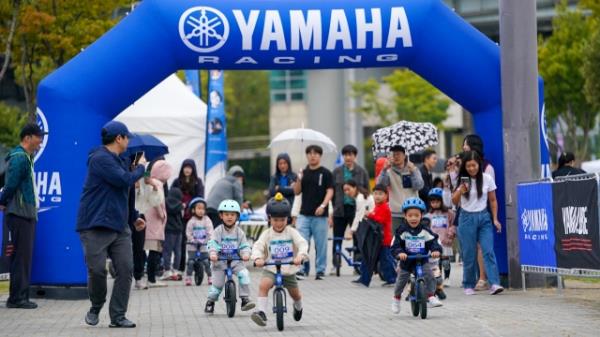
364 202
475 225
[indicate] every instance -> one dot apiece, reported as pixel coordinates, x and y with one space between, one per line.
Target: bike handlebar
230 258
276 263
418 256
337 238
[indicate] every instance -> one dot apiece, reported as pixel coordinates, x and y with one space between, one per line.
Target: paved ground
333 307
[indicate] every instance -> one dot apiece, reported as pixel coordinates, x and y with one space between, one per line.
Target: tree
412 99
12 120
591 61
48 33
561 60
247 103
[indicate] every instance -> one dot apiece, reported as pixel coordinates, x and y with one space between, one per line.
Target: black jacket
174 211
428 183
359 174
368 237
567 171
197 190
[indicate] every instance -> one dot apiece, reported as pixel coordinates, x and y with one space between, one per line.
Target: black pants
139 254
22 233
182 262
213 214
340 224
97 245
153 263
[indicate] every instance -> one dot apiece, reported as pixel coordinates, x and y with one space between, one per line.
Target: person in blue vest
102 223
20 204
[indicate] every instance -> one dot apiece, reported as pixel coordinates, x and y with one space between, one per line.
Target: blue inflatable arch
162 36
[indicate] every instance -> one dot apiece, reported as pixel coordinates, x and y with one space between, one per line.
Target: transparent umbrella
294 143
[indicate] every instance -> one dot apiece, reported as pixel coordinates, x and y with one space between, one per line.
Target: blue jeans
474 228
317 228
172 246
387 268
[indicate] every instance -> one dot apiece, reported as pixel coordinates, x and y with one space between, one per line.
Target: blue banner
216 130
536 225
192 78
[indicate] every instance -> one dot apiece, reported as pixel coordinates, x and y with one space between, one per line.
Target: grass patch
4 287
592 280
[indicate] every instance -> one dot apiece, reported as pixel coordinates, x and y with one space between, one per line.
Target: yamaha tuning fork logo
203 29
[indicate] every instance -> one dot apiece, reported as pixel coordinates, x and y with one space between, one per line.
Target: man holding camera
102 223
403 180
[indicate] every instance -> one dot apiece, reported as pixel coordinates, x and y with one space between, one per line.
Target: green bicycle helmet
229 205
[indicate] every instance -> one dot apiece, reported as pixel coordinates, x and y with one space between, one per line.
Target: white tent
172 113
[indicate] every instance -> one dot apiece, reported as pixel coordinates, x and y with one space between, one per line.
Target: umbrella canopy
414 137
150 145
294 143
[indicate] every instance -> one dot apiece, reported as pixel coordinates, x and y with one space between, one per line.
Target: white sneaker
447 283
140 285
434 302
396 306
166 275
157 284
333 271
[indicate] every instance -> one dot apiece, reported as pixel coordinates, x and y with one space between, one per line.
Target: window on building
288 85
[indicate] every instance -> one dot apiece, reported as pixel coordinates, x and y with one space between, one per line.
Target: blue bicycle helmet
413 203
195 201
436 193
229 205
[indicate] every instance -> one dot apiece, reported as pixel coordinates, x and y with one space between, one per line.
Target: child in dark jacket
414 237
173 235
382 215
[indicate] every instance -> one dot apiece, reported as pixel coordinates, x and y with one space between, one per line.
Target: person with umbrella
404 181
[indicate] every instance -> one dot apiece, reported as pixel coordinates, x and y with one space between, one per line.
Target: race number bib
200 234
439 221
281 249
415 244
229 246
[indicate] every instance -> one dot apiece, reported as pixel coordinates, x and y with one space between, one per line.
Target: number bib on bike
229 246
415 244
282 250
439 221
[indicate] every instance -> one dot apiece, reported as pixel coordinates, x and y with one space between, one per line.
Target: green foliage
247 103
49 33
12 120
413 99
562 59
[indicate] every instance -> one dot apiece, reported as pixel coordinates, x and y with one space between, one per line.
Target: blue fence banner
536 225
216 130
577 225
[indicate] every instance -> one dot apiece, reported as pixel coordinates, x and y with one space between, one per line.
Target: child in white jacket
279 243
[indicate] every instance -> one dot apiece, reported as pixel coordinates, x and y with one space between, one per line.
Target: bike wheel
422 298
279 294
198 273
414 304
337 261
230 299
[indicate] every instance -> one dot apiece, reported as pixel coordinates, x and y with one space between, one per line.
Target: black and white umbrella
414 137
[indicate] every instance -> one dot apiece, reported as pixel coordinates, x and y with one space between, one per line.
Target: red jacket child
383 216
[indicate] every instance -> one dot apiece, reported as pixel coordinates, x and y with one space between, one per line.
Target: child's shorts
289 281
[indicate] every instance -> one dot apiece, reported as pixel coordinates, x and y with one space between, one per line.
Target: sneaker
26 304
209 279
166 276
320 275
434 302
122 323
469 291
440 294
356 280
496 289
157 284
247 304
300 275
141 285
209 308
396 306
447 283
188 281
388 284
91 318
333 271
481 285
176 277
297 314
259 318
